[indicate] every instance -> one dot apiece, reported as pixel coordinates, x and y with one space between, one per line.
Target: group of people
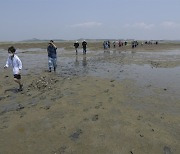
134 43
106 44
15 62
84 45
151 42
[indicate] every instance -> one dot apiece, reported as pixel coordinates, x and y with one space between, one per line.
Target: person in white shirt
14 61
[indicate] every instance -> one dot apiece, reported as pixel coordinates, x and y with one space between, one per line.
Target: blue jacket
52 51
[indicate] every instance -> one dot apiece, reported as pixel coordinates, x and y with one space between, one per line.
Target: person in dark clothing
84 45
109 44
133 44
125 43
104 45
52 56
76 45
114 44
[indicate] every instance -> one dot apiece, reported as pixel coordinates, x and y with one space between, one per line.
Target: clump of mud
43 83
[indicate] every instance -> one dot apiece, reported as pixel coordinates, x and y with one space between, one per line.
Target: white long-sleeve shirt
15 63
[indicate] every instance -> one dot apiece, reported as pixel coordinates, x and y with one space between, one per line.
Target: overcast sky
90 19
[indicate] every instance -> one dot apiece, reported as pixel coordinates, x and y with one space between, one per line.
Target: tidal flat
119 100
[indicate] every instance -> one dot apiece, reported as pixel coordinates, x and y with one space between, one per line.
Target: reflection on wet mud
84 61
76 63
107 52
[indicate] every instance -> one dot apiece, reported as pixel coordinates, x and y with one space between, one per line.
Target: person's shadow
84 61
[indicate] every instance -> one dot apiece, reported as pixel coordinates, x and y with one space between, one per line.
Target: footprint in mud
95 117
167 150
22 114
162 116
42 97
106 91
152 130
148 86
139 117
139 133
131 152
110 99
4 127
1 98
4 122
76 135
99 105
59 96
47 107
19 107
85 119
85 110
112 85
60 150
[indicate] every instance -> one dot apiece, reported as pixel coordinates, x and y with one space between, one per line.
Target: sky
89 19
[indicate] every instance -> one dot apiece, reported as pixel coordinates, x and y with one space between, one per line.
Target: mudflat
120 100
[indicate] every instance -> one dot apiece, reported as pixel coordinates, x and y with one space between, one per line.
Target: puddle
167 53
173 55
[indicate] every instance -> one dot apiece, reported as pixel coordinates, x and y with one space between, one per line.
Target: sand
117 101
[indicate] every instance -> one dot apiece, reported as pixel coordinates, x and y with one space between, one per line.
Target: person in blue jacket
52 56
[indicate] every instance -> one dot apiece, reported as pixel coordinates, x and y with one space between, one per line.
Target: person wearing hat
52 56
76 45
84 45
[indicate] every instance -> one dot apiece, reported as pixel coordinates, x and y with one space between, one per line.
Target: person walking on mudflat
84 45
52 56
76 45
14 61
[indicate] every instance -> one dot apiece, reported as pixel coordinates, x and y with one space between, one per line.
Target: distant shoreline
89 40
95 45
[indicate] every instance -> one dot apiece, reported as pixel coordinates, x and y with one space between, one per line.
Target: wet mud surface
103 102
